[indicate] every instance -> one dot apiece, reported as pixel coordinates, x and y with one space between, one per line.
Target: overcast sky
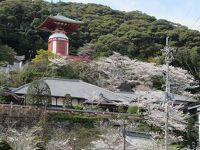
185 12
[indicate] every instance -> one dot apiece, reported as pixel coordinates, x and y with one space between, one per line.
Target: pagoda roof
51 23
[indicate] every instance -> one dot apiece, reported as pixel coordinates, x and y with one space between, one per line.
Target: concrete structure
16 66
140 138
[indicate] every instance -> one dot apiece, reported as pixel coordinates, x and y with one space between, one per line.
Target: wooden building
80 93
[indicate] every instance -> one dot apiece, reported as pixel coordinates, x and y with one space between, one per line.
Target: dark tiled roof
76 88
65 19
51 23
79 89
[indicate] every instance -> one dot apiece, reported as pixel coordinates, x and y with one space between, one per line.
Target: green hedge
61 117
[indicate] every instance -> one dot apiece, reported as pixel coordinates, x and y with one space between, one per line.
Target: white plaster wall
74 101
54 47
59 101
53 101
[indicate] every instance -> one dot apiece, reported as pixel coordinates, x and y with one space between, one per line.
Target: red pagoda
59 25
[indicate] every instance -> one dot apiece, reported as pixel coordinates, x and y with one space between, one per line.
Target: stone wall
19 117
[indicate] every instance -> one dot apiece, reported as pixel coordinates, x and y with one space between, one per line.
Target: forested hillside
134 34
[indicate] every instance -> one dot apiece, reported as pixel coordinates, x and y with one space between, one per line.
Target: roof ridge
124 92
77 80
61 17
20 87
46 78
104 89
61 79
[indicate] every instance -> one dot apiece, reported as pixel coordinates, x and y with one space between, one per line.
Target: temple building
59 26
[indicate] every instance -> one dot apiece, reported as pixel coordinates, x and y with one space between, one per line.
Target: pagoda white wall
58 44
54 46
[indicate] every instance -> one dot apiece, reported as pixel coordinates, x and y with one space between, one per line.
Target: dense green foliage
60 117
2 97
30 73
42 57
4 79
131 33
67 101
191 135
132 109
41 67
157 82
6 55
36 71
4 145
3 83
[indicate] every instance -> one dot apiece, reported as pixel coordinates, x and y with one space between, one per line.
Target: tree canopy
6 55
38 93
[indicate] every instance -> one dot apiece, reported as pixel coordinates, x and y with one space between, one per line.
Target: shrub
4 145
122 109
62 117
157 82
132 109
2 98
67 101
78 106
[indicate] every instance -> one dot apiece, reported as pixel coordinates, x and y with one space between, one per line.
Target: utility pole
124 135
168 53
74 143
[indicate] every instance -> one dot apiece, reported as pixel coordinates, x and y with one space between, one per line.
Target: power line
186 14
197 20
198 27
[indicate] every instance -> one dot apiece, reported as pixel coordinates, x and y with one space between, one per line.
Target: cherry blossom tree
118 69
